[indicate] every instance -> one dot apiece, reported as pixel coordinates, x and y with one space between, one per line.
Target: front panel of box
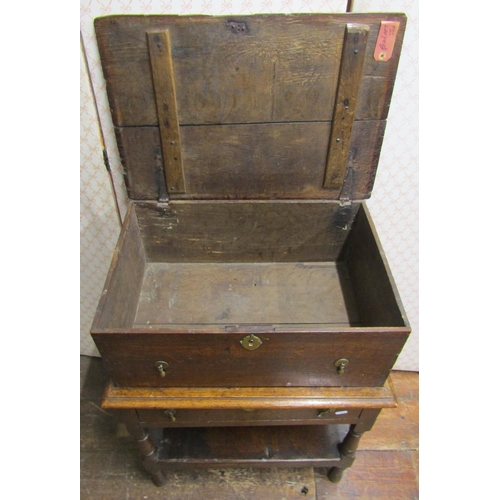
277 359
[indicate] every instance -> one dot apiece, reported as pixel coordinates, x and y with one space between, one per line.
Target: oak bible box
248 260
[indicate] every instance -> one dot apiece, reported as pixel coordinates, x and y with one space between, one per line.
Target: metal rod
101 135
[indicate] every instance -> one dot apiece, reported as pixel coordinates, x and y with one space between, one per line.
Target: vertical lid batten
351 67
160 55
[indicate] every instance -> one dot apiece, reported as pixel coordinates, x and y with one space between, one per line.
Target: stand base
276 442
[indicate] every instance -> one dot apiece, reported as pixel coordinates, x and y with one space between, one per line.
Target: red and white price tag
385 40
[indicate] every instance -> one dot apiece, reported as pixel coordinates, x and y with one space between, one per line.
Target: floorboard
374 474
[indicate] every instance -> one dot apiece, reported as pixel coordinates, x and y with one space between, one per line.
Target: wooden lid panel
267 161
252 107
282 68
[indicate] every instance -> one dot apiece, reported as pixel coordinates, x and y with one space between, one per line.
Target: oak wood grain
374 98
351 67
166 104
245 417
251 446
278 69
373 284
219 360
245 231
116 397
271 80
267 161
239 293
122 288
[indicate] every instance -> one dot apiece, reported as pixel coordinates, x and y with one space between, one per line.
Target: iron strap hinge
347 187
160 178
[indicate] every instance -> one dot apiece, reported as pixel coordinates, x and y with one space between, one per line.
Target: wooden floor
386 465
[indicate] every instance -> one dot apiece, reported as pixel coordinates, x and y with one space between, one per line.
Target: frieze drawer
246 416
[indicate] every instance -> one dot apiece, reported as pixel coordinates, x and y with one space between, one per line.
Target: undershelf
294 446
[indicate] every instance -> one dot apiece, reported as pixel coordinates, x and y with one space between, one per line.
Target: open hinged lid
252 107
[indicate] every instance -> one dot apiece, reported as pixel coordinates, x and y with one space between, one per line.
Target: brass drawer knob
161 366
341 365
171 414
323 412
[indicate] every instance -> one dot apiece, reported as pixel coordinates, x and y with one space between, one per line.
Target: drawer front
209 418
277 359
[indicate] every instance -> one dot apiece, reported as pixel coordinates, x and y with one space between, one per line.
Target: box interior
223 264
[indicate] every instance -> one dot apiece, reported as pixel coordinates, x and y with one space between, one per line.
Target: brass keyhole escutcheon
161 366
341 365
251 342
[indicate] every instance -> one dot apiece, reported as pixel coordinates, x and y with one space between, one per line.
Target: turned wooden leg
349 445
347 449
146 446
149 454
335 474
